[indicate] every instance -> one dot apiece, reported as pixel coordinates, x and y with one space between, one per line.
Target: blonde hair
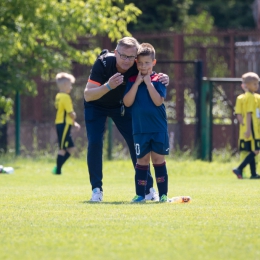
128 42
249 76
146 49
63 77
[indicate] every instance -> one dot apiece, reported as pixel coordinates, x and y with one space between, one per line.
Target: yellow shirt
239 109
63 104
251 105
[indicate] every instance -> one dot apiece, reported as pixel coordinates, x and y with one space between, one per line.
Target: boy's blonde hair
249 76
146 49
63 77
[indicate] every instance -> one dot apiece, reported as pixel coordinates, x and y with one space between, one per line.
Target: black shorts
64 136
253 145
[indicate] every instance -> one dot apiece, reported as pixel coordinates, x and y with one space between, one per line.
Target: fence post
179 88
198 65
206 121
17 123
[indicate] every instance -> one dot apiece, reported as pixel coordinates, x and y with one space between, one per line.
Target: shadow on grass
117 203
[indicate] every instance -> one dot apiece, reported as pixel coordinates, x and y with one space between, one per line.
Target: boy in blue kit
145 94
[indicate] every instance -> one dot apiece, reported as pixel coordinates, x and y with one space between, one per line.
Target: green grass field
43 216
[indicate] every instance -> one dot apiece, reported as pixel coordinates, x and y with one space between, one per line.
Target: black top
101 74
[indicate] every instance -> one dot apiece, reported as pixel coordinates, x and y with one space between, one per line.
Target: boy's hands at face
147 78
139 79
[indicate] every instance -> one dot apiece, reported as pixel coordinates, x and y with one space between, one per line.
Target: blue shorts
156 142
64 136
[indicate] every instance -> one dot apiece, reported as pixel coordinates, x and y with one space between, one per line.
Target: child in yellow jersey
250 128
239 114
65 119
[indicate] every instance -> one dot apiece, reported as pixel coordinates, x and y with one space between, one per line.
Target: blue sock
161 178
141 173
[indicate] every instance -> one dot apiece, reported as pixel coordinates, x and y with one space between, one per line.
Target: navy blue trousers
95 120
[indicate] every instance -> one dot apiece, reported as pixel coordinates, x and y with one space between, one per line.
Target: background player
145 94
65 118
239 110
250 128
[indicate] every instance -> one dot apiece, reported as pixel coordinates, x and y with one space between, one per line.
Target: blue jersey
146 116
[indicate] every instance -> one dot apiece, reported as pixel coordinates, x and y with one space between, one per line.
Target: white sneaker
7 170
153 195
97 195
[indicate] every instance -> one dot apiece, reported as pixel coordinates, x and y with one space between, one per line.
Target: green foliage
6 105
216 64
37 37
224 155
172 14
202 22
160 15
44 31
48 217
189 107
227 14
222 108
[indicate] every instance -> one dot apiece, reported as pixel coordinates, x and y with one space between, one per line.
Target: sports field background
44 216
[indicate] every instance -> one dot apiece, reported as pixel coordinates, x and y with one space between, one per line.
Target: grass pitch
43 216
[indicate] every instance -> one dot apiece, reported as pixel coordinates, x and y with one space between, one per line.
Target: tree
234 14
166 15
39 36
160 15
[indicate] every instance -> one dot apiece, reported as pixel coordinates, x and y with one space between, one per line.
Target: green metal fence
206 117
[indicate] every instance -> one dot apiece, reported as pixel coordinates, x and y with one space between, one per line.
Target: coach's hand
116 80
164 79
